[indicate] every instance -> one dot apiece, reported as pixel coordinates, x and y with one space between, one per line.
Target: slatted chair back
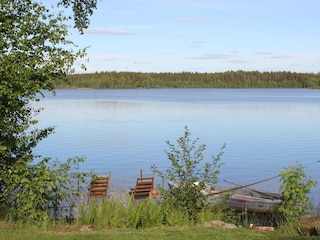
144 186
98 188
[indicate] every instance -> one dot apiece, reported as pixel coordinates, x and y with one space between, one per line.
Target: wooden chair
98 188
144 186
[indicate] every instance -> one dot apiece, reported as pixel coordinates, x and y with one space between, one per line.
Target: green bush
38 192
189 175
295 188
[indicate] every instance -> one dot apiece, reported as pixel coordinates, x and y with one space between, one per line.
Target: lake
123 131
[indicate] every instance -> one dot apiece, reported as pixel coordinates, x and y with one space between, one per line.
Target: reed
145 214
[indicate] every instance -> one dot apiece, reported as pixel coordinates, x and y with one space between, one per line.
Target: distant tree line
229 79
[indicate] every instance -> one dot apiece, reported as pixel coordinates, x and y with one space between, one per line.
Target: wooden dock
122 195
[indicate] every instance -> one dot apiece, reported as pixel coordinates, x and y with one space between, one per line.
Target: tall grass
148 219
143 214
112 213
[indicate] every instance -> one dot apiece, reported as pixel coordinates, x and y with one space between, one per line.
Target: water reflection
125 130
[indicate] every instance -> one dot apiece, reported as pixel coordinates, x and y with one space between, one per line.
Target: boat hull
244 199
240 198
245 203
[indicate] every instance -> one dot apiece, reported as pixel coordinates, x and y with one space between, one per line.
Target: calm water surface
123 131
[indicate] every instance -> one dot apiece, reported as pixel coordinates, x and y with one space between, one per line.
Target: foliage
229 79
34 51
295 188
42 188
116 213
187 175
145 214
82 10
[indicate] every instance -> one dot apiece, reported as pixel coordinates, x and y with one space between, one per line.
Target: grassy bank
60 232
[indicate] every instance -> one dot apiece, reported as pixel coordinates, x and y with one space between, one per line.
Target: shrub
39 192
295 188
187 175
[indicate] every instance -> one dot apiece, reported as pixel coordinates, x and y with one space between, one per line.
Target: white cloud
213 56
199 41
264 53
102 31
192 20
281 56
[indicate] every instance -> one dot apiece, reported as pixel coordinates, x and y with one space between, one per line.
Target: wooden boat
241 198
245 199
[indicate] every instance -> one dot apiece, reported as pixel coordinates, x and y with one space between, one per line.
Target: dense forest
230 79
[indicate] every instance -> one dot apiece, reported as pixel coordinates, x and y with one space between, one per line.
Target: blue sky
203 36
